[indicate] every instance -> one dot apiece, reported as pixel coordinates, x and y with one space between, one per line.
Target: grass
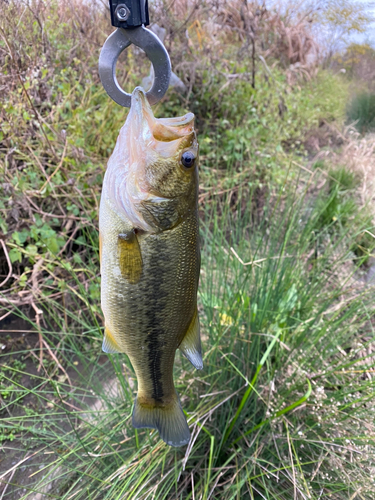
361 110
281 407
340 206
284 406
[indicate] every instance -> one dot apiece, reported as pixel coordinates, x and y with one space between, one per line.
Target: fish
150 259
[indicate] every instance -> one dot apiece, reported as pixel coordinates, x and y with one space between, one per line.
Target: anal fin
191 343
109 344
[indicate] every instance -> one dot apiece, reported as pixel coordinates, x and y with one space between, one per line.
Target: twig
259 493
18 464
42 342
34 281
326 174
5 315
38 162
66 402
27 300
256 262
215 484
38 313
9 263
69 240
8 483
351 498
318 467
16 302
58 364
251 263
292 462
56 169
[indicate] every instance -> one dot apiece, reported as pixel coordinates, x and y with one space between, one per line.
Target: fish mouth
161 129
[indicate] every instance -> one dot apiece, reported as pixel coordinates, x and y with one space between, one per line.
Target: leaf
52 245
32 249
20 236
15 255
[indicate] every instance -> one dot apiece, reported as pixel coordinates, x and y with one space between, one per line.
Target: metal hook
143 38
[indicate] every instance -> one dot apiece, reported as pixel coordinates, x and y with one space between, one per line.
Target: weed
339 206
319 164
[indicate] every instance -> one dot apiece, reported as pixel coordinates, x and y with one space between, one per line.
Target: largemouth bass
150 259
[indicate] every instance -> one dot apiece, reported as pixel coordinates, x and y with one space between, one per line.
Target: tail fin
170 421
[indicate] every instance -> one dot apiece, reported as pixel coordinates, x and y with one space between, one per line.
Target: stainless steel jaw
143 38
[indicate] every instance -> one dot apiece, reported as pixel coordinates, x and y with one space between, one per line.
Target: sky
367 37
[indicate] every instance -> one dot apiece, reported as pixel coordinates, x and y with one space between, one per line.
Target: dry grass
357 154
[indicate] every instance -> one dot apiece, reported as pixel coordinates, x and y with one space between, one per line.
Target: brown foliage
284 37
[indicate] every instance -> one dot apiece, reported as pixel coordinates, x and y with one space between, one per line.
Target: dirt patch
326 136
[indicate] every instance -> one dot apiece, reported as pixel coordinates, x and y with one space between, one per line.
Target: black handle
129 13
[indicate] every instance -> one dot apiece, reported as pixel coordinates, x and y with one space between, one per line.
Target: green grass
339 210
361 110
282 404
340 206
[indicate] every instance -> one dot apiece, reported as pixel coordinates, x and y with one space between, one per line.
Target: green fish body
150 259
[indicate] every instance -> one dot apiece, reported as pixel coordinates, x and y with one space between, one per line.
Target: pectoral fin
109 344
130 258
191 343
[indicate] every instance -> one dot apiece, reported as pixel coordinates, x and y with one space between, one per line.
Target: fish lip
140 105
162 129
139 95
139 100
178 121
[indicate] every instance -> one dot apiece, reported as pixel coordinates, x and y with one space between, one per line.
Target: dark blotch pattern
154 325
151 317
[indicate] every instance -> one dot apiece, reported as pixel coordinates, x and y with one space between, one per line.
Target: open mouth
163 129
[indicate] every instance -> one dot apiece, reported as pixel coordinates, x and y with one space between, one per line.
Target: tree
337 20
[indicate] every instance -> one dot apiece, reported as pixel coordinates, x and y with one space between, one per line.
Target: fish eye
188 159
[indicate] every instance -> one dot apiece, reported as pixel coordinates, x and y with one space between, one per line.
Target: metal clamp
155 51
129 13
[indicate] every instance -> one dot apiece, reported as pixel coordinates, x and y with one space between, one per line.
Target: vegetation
284 406
362 111
358 62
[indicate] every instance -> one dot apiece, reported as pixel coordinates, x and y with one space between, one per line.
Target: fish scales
150 260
